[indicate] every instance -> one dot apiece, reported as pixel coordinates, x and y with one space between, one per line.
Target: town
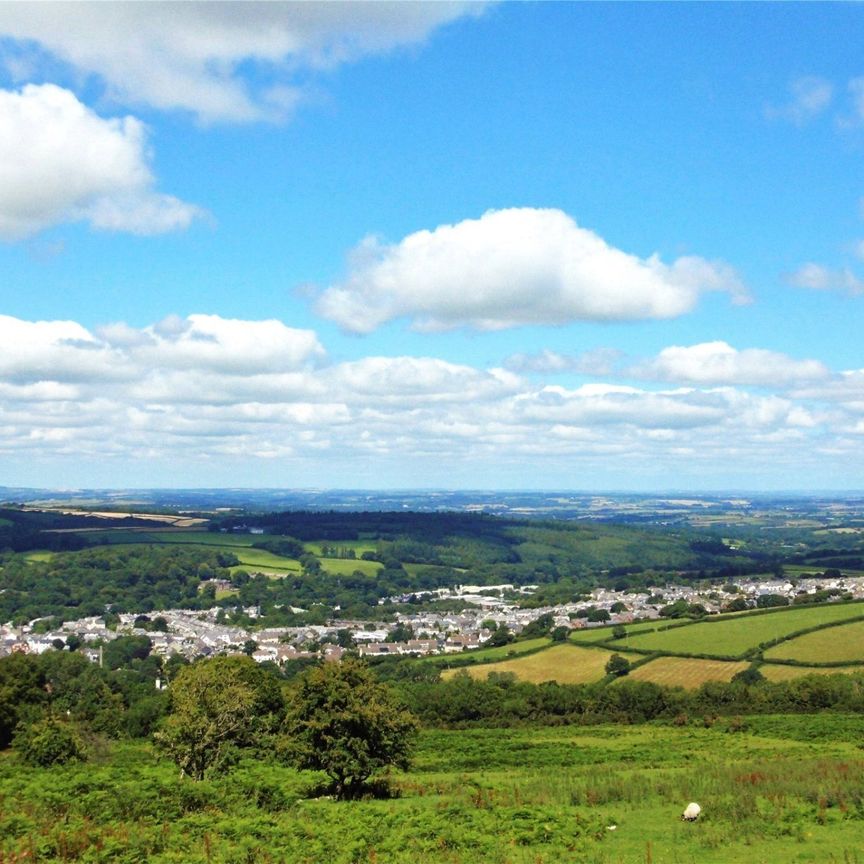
488 610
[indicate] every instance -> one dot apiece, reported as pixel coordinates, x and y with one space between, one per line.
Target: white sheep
691 813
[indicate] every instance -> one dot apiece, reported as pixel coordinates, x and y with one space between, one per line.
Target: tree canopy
344 722
217 706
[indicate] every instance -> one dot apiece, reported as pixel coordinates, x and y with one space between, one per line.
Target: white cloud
809 97
514 267
598 361
61 162
230 346
421 379
716 363
197 56
207 391
819 278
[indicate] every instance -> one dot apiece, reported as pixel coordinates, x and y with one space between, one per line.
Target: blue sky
589 246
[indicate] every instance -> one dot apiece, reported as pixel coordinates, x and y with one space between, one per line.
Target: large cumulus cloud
61 162
514 267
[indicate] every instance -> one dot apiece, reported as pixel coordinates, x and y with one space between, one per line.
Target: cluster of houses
194 634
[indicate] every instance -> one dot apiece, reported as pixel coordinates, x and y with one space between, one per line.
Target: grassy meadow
591 635
841 644
777 789
487 655
779 672
734 636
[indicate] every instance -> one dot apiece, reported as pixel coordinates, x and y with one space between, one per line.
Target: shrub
49 742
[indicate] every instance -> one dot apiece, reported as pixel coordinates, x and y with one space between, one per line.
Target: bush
48 742
617 665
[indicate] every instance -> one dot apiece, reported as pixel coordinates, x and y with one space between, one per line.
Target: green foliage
217 707
343 722
617 666
767 601
787 790
128 579
538 627
22 692
750 675
502 636
48 742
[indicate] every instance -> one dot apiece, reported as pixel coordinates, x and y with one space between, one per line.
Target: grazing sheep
691 813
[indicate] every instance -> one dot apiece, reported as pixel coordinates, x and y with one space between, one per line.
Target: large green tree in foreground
344 722
217 706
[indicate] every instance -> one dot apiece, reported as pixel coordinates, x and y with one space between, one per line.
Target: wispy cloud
808 97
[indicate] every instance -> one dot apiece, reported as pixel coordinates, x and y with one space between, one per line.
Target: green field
485 655
686 672
784 791
778 672
566 664
346 566
841 644
735 635
603 634
797 570
39 556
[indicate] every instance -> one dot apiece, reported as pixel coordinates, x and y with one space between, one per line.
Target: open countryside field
602 634
799 570
346 566
734 635
841 644
241 545
686 672
786 790
566 664
487 655
778 672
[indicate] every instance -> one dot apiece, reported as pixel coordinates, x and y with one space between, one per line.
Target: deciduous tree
217 706
344 722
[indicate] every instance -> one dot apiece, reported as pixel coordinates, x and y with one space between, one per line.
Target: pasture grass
736 635
566 664
40 556
347 566
603 634
798 570
486 655
786 789
686 672
778 672
841 644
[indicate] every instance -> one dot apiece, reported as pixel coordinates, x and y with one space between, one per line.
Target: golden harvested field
775 672
839 644
685 672
566 664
